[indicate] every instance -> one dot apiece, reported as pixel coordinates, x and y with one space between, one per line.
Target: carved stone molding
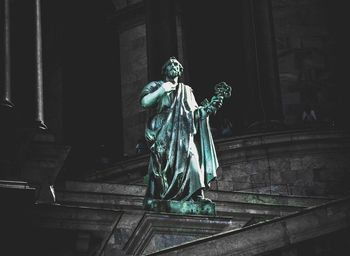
158 231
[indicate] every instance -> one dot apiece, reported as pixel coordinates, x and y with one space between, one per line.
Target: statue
183 160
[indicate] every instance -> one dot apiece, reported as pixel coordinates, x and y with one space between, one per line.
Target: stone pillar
150 32
39 114
133 72
164 34
262 65
5 83
6 106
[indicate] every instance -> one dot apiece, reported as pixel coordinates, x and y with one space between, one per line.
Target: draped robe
175 134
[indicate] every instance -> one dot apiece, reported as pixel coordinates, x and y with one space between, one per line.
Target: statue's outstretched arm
207 108
222 90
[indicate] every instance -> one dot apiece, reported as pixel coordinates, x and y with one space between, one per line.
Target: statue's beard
172 74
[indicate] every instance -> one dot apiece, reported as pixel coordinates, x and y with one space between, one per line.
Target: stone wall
299 162
296 163
306 58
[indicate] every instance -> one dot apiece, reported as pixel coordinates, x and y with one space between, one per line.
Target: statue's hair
166 64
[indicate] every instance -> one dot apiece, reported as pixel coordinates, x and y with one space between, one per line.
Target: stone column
164 35
39 114
262 65
149 33
6 79
6 106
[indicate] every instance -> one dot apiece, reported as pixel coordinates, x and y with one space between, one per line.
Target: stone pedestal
180 207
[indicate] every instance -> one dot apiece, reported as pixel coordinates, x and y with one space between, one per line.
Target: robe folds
182 153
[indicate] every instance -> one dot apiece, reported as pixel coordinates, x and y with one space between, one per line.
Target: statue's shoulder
150 87
153 85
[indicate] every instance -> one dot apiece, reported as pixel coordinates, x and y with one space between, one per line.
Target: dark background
81 60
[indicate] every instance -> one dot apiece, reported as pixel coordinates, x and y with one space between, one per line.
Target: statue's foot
205 200
200 198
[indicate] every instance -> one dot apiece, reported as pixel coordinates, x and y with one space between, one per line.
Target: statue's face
173 69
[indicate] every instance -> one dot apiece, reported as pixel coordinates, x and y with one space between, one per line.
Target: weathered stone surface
276 173
131 197
272 235
123 172
299 163
286 163
136 232
74 217
305 50
69 230
124 229
157 231
100 187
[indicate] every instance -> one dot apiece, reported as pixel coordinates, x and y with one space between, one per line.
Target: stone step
246 197
269 199
123 171
123 202
68 230
130 197
327 223
118 232
56 216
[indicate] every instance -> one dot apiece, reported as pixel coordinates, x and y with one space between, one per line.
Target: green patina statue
183 160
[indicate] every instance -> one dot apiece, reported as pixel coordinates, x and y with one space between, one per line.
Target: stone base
180 207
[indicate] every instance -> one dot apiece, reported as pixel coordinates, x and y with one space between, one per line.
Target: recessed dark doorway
215 53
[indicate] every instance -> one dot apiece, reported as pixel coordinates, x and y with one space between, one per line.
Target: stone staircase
231 204
326 226
262 198
108 219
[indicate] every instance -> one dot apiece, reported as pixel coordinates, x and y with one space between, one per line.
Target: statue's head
172 68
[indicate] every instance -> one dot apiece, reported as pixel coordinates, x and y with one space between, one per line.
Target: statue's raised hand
223 89
217 101
168 86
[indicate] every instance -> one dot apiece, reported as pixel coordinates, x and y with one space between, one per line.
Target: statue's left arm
222 90
207 108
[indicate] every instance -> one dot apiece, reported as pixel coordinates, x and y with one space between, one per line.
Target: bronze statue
183 160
